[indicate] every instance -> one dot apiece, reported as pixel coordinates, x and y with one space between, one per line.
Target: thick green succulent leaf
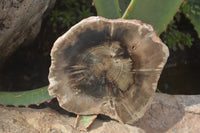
25 97
84 121
155 12
191 8
108 8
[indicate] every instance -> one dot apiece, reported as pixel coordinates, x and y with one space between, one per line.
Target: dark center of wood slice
102 70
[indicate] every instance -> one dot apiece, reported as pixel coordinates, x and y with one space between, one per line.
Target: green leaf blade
84 121
108 8
25 98
155 12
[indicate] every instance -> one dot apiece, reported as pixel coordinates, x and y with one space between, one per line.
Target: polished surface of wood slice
111 67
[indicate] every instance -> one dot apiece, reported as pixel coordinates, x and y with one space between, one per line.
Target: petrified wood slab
110 67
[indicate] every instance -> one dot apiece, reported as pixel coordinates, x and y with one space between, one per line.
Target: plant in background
158 13
68 12
191 8
176 39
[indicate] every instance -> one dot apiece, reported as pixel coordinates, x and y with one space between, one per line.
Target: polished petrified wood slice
110 67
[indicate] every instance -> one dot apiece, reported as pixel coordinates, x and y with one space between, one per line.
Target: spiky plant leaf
108 8
84 121
155 12
25 97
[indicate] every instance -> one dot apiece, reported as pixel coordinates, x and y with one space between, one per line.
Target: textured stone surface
168 114
24 120
172 114
20 21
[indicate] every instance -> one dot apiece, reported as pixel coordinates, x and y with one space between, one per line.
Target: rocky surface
168 114
172 114
24 120
20 22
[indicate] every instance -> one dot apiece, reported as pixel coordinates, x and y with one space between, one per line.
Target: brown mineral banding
110 67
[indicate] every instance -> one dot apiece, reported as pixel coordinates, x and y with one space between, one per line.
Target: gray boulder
20 22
